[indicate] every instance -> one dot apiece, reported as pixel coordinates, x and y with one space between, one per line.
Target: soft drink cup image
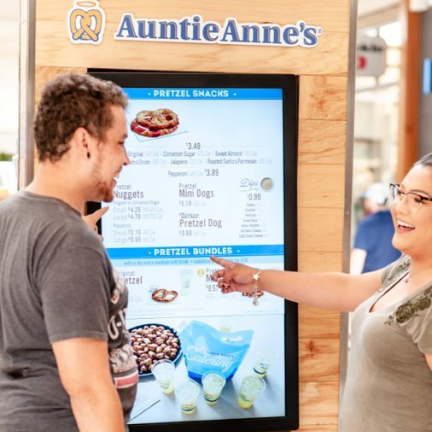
264 360
163 371
213 383
187 393
250 388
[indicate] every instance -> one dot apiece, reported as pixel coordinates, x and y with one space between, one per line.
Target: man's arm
83 365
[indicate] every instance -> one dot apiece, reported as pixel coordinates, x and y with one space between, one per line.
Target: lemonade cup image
163 371
264 360
213 383
250 388
187 393
185 281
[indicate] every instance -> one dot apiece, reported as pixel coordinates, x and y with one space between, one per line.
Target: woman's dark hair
425 161
71 101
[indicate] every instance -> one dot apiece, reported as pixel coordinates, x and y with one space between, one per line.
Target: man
65 359
373 247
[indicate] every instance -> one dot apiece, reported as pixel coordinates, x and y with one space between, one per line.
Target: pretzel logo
86 23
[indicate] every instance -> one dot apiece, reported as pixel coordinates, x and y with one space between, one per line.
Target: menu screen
208 175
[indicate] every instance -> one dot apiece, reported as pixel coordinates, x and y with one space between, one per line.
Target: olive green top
389 383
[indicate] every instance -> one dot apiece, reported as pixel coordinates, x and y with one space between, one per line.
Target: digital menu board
212 172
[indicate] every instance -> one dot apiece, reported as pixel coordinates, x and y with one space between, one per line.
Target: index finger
95 216
222 262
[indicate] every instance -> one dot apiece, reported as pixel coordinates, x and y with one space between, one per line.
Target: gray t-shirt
56 283
389 383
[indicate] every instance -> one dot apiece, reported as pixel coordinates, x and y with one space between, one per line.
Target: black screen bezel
289 86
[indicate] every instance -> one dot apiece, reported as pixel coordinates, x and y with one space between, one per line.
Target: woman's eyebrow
420 192
417 191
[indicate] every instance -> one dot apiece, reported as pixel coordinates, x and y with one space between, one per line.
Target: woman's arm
332 291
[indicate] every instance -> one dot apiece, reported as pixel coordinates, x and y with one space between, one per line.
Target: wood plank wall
322 133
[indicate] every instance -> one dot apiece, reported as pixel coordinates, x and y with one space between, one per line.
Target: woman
389 380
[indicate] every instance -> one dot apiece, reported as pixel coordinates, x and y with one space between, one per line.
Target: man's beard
103 191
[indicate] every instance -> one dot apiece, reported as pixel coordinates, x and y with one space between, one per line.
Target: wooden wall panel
319 403
314 192
321 144
318 324
319 229
316 360
310 261
190 57
323 97
333 17
320 428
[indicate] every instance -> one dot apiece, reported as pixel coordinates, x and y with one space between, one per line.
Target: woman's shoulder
396 269
414 314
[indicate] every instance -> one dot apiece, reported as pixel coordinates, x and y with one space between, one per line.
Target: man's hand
92 219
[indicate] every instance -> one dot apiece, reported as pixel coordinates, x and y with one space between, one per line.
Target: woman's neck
420 271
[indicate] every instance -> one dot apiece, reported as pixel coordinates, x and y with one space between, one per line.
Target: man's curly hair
71 101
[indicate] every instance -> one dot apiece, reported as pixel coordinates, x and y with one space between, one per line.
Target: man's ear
82 141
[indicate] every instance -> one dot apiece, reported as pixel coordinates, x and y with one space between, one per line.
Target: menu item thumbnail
154 342
186 394
163 371
155 123
207 349
163 295
251 387
213 384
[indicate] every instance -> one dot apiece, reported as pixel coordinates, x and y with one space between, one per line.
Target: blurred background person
373 247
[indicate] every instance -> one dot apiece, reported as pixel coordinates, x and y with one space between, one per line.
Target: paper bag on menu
207 349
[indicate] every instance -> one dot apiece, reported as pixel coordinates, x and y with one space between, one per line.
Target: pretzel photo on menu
155 123
163 295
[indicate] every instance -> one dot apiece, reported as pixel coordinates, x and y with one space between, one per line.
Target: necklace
407 277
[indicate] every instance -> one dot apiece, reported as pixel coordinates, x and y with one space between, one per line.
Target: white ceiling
365 7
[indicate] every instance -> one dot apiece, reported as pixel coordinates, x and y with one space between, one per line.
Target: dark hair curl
71 101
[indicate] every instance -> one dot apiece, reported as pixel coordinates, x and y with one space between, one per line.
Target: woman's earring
88 155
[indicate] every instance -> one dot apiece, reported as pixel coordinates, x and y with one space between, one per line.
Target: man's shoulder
76 234
9 201
51 220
